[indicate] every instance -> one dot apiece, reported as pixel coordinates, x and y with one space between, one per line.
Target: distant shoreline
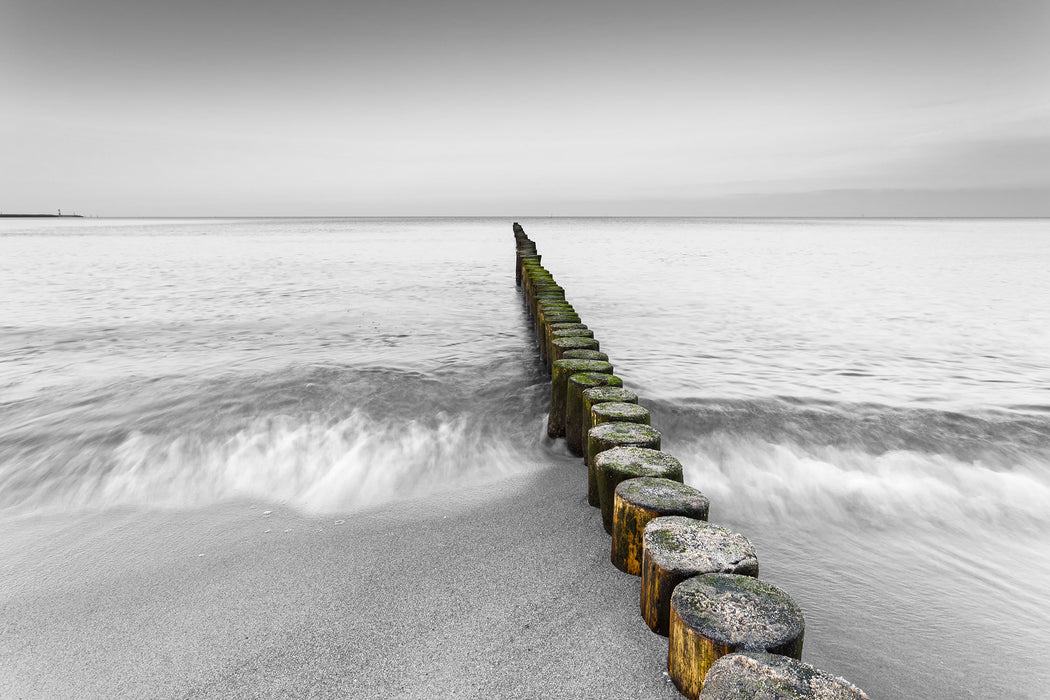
41 216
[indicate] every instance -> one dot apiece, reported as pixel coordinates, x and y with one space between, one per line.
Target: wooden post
623 463
761 676
584 355
716 614
675 548
560 346
560 373
610 413
574 402
636 502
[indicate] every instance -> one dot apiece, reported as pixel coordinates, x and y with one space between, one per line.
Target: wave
873 465
320 439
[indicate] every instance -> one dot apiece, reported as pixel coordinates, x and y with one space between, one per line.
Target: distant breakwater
41 216
730 634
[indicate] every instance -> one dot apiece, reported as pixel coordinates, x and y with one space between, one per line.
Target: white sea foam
769 480
314 465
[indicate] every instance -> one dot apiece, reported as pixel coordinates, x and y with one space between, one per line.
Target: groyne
729 633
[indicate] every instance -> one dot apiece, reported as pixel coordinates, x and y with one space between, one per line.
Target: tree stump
560 373
623 463
716 614
612 412
761 676
675 548
609 435
585 355
574 420
636 502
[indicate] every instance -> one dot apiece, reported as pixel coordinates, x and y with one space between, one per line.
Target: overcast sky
473 107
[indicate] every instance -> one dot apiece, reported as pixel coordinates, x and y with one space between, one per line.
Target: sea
867 400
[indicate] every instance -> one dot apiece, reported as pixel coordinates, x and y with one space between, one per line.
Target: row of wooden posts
730 635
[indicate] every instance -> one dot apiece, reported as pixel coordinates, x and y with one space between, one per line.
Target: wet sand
501 590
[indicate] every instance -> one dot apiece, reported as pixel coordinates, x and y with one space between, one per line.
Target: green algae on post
561 370
620 413
716 614
574 402
675 548
584 355
609 435
622 463
559 346
597 395
551 334
636 502
547 348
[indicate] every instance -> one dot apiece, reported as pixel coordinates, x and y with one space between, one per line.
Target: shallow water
868 401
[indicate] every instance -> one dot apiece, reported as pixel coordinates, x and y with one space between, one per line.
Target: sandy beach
501 590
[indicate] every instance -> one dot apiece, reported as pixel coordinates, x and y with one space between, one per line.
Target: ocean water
868 401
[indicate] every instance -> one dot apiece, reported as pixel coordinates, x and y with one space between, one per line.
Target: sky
543 108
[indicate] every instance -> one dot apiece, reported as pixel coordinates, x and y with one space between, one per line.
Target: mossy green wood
623 463
609 435
552 333
559 346
546 319
762 676
717 614
636 502
574 399
560 373
611 412
533 272
535 279
584 355
544 295
519 265
549 319
545 350
596 395
533 304
675 548
552 307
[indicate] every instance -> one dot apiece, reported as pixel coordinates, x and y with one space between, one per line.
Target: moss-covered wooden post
550 314
560 373
548 318
574 419
584 355
552 333
520 263
533 274
618 413
544 293
545 350
559 346
636 502
537 281
716 614
675 548
623 463
761 676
